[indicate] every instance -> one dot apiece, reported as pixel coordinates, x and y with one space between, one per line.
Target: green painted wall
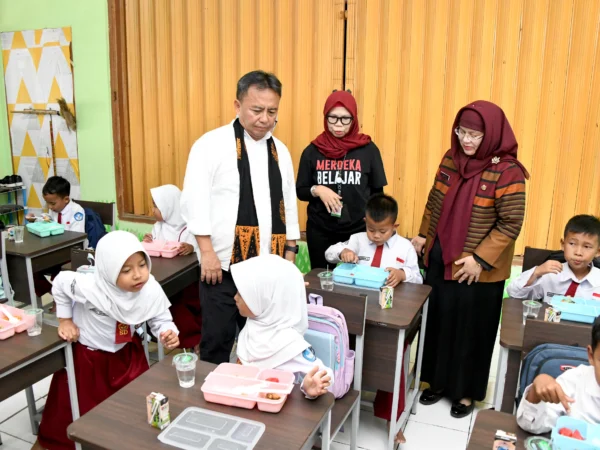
89 22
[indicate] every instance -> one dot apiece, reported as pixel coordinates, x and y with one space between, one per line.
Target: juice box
552 315
386 297
157 408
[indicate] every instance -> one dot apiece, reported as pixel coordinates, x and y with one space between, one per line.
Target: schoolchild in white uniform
576 393
272 296
380 245
98 311
170 226
575 278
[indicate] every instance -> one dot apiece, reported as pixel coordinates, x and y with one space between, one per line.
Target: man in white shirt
239 200
576 393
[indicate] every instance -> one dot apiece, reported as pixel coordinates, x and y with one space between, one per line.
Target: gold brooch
483 187
495 160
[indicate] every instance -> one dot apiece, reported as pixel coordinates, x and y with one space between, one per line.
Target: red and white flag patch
596 295
400 260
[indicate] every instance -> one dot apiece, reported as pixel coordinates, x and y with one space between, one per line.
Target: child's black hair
596 333
381 207
583 223
57 185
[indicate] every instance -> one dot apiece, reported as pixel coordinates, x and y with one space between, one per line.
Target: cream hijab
167 201
100 288
273 289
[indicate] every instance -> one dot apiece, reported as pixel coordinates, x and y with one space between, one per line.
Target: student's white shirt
304 363
398 253
580 384
72 217
210 196
552 284
96 329
185 236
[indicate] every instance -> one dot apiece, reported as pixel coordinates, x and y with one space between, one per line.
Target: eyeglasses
346 120
462 134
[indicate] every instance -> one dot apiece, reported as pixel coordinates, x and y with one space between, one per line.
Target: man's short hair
57 185
259 79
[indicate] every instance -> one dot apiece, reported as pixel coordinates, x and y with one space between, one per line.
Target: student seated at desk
97 311
575 278
576 393
63 210
170 226
380 245
272 296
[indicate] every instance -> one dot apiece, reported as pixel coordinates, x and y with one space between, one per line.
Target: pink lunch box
168 249
219 384
25 321
7 329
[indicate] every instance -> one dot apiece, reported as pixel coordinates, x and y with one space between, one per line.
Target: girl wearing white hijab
170 225
272 296
98 311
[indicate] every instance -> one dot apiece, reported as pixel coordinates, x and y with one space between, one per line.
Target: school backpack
328 335
94 228
550 359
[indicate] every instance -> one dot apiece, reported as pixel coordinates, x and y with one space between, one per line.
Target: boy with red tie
381 246
577 277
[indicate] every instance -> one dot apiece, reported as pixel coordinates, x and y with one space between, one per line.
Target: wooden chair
4 270
354 309
106 211
538 332
535 256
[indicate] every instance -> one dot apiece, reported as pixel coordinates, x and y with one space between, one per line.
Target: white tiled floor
431 428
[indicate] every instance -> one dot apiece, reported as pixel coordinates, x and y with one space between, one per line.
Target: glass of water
38 313
326 279
531 310
185 365
19 233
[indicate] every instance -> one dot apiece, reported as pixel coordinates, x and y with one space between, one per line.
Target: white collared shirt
580 384
553 284
398 253
210 196
72 217
96 329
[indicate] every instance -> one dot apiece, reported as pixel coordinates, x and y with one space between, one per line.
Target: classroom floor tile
439 415
421 436
372 432
13 443
19 425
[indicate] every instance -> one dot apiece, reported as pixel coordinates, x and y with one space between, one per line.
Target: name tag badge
338 212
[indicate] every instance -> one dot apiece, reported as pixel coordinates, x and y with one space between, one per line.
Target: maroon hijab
327 143
498 142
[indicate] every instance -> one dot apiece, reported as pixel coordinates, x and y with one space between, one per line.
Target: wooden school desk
512 333
486 425
36 254
25 360
175 274
385 334
120 422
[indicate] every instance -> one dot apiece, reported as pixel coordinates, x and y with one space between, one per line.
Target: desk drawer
54 258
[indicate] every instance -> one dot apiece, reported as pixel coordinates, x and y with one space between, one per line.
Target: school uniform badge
78 217
309 354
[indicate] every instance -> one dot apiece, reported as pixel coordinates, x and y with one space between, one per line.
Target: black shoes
11 181
428 397
459 410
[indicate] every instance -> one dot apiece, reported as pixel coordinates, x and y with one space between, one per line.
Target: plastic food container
364 276
7 329
25 321
576 309
197 428
165 249
589 432
45 229
220 384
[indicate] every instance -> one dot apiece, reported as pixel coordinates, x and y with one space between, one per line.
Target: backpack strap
315 299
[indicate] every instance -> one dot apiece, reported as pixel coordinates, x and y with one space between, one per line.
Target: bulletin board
38 71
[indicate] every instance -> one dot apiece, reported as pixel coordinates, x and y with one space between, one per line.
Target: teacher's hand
329 198
418 243
211 271
470 271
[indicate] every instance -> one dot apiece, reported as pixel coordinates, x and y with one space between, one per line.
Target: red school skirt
99 375
185 309
382 407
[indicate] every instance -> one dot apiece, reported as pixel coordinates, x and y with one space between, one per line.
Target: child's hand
148 237
316 383
67 330
348 256
185 249
546 389
548 267
30 217
396 277
169 339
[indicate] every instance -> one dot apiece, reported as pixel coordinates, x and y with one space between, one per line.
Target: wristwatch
293 249
312 190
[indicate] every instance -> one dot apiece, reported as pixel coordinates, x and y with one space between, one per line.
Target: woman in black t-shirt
338 173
